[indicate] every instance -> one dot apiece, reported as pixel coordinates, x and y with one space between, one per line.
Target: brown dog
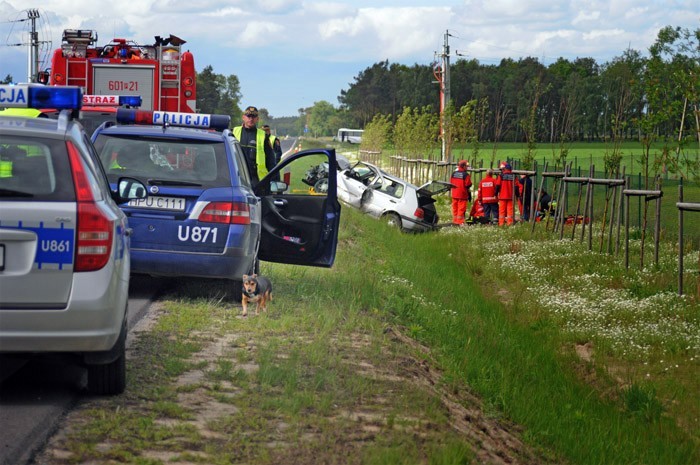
256 289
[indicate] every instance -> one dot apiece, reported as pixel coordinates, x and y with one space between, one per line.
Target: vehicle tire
235 291
393 220
321 186
109 378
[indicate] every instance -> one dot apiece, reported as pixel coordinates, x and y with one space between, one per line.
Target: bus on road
353 136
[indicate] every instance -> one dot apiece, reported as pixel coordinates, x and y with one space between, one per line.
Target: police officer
461 183
275 142
255 144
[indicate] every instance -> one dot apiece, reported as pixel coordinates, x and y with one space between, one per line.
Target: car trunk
426 199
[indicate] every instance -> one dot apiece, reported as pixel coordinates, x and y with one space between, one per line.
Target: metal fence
417 171
655 207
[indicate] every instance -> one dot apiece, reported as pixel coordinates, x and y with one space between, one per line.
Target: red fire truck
161 74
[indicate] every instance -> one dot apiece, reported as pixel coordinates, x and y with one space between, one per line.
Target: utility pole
33 44
33 65
442 74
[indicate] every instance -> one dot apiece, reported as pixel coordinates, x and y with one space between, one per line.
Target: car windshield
171 161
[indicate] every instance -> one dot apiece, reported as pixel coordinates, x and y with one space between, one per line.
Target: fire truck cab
161 74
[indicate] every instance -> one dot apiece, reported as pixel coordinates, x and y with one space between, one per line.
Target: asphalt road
288 145
35 394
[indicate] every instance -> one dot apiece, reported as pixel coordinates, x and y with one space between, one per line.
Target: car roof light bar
169 118
41 96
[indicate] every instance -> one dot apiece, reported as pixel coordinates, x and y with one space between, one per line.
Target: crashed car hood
434 187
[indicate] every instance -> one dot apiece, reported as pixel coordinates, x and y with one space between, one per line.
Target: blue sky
289 54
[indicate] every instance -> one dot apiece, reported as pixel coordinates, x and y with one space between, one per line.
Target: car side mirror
278 187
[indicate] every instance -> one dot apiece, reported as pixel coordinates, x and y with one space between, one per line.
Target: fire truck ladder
74 47
170 73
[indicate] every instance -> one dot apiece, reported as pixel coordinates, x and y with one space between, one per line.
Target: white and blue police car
64 242
203 217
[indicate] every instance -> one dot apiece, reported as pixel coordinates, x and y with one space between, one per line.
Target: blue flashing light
126 116
130 100
162 118
40 96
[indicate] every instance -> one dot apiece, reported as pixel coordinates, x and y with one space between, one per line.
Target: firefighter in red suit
461 182
505 185
487 196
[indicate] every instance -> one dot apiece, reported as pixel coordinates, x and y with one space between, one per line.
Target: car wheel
321 186
110 378
235 291
393 220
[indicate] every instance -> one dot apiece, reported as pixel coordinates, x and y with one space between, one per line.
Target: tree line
654 100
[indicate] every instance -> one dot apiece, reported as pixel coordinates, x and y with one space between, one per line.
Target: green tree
218 94
323 119
449 123
369 95
534 88
416 132
377 135
620 85
7 80
673 84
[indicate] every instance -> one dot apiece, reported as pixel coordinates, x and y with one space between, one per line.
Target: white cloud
602 34
256 33
585 17
387 32
637 12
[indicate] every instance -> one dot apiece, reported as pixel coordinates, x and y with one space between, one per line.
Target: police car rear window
35 169
189 161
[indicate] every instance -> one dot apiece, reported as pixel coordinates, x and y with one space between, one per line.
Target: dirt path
225 421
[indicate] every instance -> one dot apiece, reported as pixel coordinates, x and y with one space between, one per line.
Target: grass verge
412 349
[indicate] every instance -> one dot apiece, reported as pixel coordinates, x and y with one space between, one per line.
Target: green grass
332 386
518 369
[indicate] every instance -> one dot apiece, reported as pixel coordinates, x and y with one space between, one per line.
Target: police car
64 245
202 216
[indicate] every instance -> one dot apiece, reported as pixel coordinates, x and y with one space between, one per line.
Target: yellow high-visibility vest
259 149
27 112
